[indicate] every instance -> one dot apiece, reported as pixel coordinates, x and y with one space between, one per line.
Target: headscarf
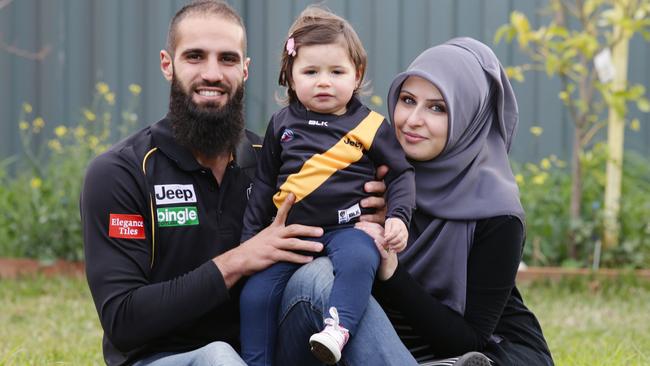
471 178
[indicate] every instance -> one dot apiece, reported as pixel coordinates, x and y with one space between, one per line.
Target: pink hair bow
291 50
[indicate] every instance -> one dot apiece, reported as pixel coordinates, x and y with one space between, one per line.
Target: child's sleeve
260 209
400 180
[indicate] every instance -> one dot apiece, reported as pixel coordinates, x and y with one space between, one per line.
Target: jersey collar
163 137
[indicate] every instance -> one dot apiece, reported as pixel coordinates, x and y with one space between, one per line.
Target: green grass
48 322
53 322
594 322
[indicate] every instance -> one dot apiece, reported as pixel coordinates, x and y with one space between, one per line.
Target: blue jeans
213 354
355 260
303 305
305 301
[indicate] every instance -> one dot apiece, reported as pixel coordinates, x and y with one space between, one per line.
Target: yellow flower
60 131
536 130
110 98
635 125
23 125
36 183
27 108
102 88
545 163
38 122
79 132
55 145
532 167
376 100
135 89
93 141
539 179
519 179
89 115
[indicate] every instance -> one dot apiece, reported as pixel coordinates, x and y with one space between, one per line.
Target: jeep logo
174 193
352 143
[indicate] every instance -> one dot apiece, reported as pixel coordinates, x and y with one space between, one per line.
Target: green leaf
643 104
515 73
551 65
501 31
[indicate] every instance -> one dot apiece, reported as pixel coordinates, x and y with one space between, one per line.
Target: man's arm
118 266
276 243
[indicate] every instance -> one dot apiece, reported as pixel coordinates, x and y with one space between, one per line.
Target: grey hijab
471 179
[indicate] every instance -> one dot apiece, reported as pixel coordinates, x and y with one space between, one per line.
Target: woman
453 291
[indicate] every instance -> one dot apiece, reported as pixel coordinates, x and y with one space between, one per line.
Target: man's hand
276 243
376 202
388 263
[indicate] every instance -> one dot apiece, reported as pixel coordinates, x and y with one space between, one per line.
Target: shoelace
332 324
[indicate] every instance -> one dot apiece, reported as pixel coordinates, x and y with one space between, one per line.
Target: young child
322 148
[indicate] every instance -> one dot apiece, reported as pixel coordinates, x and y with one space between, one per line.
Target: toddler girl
323 147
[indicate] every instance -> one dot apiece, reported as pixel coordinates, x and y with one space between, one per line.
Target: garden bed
17 267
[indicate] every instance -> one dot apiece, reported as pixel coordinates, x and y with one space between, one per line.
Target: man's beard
207 129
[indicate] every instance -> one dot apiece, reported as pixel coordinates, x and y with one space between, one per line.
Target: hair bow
291 50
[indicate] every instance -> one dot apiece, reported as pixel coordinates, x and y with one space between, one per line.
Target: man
162 213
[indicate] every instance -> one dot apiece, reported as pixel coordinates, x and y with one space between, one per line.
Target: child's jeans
355 260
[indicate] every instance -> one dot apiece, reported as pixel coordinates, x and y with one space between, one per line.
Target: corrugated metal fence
118 42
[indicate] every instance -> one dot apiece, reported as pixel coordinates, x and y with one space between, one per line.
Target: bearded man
162 212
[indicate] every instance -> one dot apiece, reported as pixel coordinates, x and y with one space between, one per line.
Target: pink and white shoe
327 344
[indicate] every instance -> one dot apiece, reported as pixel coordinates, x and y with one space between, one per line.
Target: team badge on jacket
287 135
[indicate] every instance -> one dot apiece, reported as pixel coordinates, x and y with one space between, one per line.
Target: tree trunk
576 192
615 138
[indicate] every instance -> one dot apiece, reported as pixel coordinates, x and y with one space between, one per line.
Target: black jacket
153 219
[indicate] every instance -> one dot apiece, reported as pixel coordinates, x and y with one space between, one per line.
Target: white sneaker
327 344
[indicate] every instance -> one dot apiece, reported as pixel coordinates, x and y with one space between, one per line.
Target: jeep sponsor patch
125 226
177 216
174 193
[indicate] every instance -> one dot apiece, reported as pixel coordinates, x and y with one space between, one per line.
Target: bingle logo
317 123
353 143
174 193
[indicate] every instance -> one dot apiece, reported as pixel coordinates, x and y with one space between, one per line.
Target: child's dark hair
318 26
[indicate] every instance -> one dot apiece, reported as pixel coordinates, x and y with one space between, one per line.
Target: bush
545 193
40 202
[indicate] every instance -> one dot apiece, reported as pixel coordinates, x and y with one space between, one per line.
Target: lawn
53 321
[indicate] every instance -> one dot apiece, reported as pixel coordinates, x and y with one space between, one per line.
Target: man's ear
166 65
247 62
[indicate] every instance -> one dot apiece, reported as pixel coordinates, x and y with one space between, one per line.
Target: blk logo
317 123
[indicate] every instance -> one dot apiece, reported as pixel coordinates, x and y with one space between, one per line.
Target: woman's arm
492 267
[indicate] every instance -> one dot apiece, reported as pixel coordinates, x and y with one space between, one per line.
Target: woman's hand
388 263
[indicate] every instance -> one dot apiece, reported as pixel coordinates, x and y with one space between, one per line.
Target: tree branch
40 55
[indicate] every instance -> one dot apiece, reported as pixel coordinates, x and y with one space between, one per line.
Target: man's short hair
202 7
